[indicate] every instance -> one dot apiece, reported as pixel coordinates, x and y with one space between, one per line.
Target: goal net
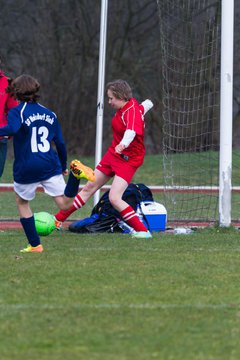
190 62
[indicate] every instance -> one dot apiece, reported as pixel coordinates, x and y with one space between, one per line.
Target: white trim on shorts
54 186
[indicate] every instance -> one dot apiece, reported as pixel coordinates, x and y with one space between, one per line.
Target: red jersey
6 101
130 117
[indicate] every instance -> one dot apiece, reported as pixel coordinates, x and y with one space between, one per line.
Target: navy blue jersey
35 129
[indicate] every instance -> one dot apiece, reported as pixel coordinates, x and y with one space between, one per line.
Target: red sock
62 215
78 202
131 218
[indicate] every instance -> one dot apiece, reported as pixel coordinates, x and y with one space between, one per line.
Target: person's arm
128 137
130 134
10 103
14 123
146 106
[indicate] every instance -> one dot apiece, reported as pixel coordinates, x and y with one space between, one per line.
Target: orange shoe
58 224
30 248
81 171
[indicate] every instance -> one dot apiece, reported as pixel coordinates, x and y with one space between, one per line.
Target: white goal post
226 118
197 86
197 103
101 84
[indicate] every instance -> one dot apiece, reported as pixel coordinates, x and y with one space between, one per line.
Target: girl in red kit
122 159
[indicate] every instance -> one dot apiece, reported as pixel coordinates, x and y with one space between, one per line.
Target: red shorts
112 165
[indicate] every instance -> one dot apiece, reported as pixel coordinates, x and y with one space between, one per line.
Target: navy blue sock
72 186
28 225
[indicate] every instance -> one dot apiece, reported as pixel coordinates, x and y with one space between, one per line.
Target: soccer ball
44 223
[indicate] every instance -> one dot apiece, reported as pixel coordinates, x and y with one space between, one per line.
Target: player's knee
20 201
114 199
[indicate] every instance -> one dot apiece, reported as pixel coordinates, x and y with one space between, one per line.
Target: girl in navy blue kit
34 128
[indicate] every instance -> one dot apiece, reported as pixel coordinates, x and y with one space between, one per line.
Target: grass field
183 206
109 297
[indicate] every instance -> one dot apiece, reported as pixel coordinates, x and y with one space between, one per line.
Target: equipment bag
96 224
104 218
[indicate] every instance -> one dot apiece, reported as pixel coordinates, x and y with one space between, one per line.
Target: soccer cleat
81 171
58 224
30 248
142 235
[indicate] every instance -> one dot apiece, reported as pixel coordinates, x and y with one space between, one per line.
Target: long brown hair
24 88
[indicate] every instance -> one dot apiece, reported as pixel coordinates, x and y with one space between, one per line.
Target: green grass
111 297
44 202
106 296
184 206
203 169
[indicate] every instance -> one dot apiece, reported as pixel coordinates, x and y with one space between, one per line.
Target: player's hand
65 172
119 148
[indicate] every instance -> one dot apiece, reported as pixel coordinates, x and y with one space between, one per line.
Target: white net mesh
190 47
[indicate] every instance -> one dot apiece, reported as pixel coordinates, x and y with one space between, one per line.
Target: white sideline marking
83 249
146 306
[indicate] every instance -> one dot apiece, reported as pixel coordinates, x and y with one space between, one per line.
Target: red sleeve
141 108
10 103
134 119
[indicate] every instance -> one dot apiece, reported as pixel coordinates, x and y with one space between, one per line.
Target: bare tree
57 41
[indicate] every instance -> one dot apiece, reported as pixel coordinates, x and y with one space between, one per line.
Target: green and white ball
44 223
